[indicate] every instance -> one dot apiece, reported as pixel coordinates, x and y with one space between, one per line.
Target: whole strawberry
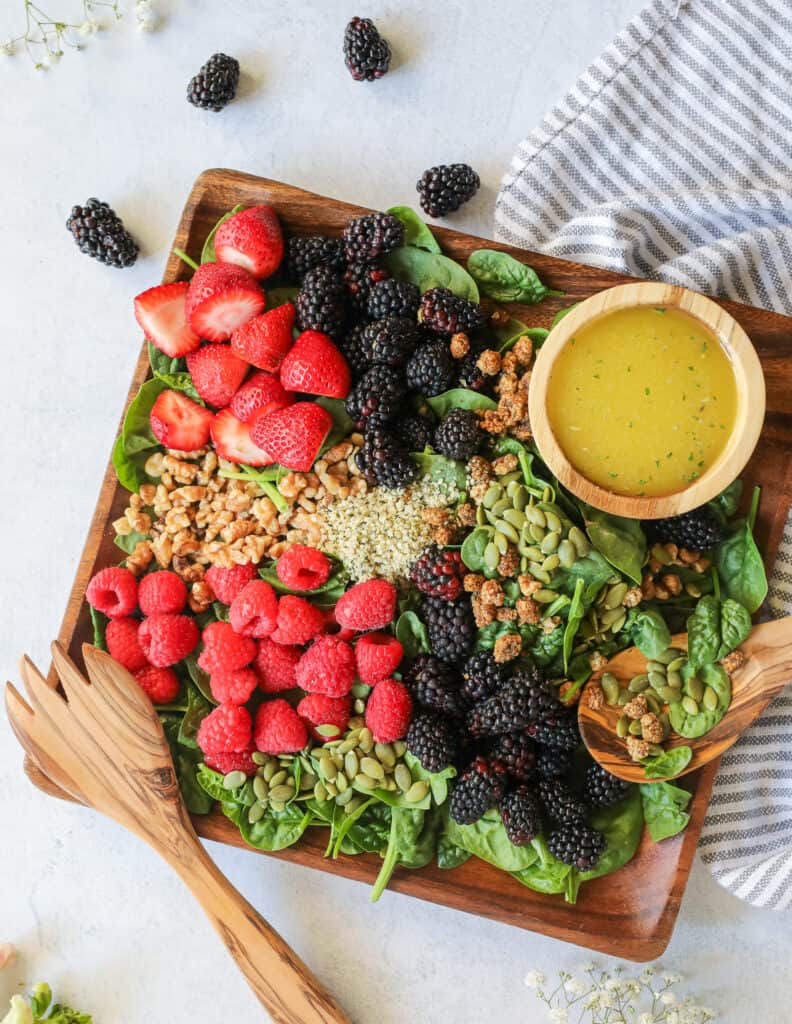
252 239
217 373
314 366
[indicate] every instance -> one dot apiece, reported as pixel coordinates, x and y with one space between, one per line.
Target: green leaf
329 592
547 874
664 809
503 278
444 470
622 825
416 233
208 254
412 844
136 442
129 541
186 761
40 998
474 546
562 313
172 372
198 707
694 726
487 840
668 764
459 398
507 334
412 634
99 622
735 626
620 540
728 501
577 611
211 782
438 781
449 855
277 830
342 423
431 270
650 633
715 629
740 568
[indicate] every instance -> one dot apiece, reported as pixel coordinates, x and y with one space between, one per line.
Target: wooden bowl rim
750 385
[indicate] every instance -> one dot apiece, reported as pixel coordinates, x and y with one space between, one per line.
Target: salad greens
38 1007
503 278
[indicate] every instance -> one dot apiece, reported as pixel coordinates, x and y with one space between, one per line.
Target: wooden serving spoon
765 672
104 744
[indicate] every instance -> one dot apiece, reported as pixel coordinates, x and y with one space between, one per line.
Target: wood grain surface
631 913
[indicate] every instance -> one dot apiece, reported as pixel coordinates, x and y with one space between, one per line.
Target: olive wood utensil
104 744
765 672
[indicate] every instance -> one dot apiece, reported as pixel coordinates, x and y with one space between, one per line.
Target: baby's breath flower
671 978
673 1018
614 985
668 998
534 979
645 1018
7 49
574 987
558 1015
647 973
87 28
588 966
708 1014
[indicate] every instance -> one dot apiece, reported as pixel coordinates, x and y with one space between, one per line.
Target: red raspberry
166 639
161 685
224 650
226 583
328 666
122 642
279 729
303 568
225 730
162 592
319 710
388 711
254 611
298 621
377 656
276 665
367 605
113 591
235 761
233 687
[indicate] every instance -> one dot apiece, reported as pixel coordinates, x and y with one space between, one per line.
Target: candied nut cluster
514 376
733 661
660 582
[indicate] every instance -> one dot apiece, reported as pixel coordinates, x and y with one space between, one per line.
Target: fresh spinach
547 874
416 233
198 707
369 832
668 764
503 278
577 610
620 540
208 254
342 422
506 335
136 442
172 372
664 809
650 633
592 569
694 726
438 781
99 622
474 546
562 313
412 634
728 501
277 829
622 825
735 626
449 855
199 677
440 468
740 567
186 762
328 593
459 398
431 270
715 628
411 844
127 542
487 839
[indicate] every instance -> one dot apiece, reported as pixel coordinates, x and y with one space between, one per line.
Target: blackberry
391 341
517 753
430 369
366 54
698 530
304 253
100 233
560 802
393 298
433 740
559 730
480 788
359 279
368 237
446 313
380 391
458 435
445 188
470 376
414 432
524 699
578 845
435 684
439 573
321 302
354 350
450 626
482 676
601 789
383 461
216 83
552 762
519 811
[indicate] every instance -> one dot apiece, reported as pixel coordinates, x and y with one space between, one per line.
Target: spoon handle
769 648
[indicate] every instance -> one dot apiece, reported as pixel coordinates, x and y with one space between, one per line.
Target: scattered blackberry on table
391 341
321 302
368 237
482 676
479 788
559 730
359 279
414 432
433 740
446 187
434 683
560 802
601 789
383 461
439 573
446 313
393 298
524 699
354 350
458 435
698 530
520 815
216 83
100 233
552 762
430 369
578 845
380 391
517 753
366 54
306 252
450 626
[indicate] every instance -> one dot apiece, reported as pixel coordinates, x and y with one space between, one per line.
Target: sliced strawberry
231 438
221 298
294 435
314 366
161 313
261 392
180 423
216 373
251 239
266 340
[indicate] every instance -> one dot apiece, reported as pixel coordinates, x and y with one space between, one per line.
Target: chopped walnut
201 596
733 661
523 349
505 464
528 611
595 697
489 362
492 593
637 749
507 647
633 597
651 728
460 345
473 582
636 708
672 583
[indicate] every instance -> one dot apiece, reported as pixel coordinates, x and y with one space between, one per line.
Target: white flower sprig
604 997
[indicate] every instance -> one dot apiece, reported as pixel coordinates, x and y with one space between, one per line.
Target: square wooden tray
631 913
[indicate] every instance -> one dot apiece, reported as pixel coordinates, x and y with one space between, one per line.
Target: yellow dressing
642 401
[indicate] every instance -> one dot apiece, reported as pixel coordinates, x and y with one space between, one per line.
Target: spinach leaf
99 622
449 855
664 809
442 469
740 567
620 540
694 726
186 762
728 501
136 442
438 781
459 398
431 270
649 633
328 593
416 233
473 547
735 626
562 313
369 832
547 874
406 845
412 634
577 610
199 677
208 254
715 629
668 764
547 648
342 423
129 541
277 829
487 840
592 569
503 278
172 372
507 334
198 707
622 825
535 484
212 783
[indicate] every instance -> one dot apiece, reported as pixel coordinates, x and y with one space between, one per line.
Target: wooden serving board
630 913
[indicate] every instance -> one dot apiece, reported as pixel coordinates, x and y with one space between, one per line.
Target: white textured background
93 911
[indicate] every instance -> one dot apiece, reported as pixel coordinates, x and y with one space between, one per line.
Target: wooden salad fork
104 744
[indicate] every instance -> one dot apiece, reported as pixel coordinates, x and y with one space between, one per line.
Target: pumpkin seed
656 666
278 778
349 744
320 793
695 688
351 764
338 761
553 521
342 783
281 793
567 553
665 722
652 703
624 698
668 694
580 541
384 752
693 590
234 780
260 788
365 782
372 768
523 564
615 595
617 625
507 530
690 705
494 493
551 563
539 574
677 663
481 516
623 727
517 519
417 791
520 498
510 478
550 542
307 780
399 747
352 805
491 556
331 789
610 687
655 749
710 699
657 679
328 769
366 741
533 554
638 683
661 555
537 532
544 596
255 813
535 515
610 615
500 506
276 805
501 542
635 728
258 758
547 494
269 770
344 797
674 679
403 777
359 706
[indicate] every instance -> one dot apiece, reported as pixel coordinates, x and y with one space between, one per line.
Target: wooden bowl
750 399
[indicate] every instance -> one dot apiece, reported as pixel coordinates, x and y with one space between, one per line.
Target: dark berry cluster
216 83
100 233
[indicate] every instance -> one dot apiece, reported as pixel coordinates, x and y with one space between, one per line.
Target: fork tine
77 688
43 698
116 683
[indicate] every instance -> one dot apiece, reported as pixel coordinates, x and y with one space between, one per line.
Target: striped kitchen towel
671 158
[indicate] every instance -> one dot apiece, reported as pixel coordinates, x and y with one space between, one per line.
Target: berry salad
359 600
